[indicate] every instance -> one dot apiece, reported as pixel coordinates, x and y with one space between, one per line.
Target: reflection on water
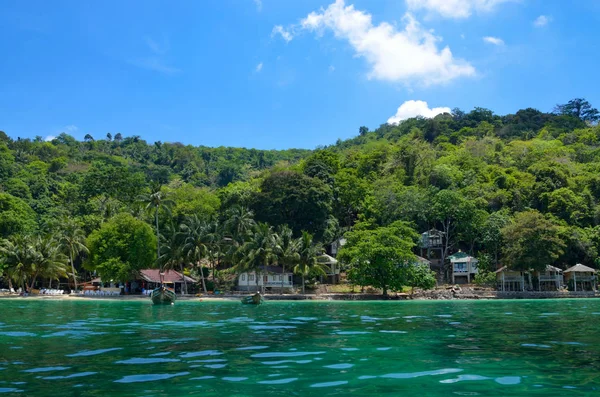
111 348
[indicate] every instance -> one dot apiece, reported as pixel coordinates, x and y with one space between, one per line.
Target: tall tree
579 108
198 240
121 247
308 252
531 242
287 249
259 251
72 239
154 201
380 257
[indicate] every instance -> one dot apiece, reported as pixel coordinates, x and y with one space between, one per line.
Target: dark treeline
521 189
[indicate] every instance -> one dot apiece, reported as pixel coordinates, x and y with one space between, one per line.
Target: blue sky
279 74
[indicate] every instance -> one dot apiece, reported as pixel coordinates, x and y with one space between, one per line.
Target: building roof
460 255
422 260
270 269
550 268
327 259
169 276
579 268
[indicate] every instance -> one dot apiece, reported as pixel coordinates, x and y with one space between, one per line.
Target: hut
550 279
150 279
332 268
464 267
269 277
509 280
581 278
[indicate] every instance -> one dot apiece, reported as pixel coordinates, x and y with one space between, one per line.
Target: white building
464 267
272 277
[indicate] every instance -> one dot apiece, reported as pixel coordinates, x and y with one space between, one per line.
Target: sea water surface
432 348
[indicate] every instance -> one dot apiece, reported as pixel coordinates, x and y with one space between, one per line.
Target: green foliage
420 276
301 202
381 257
531 241
121 246
16 216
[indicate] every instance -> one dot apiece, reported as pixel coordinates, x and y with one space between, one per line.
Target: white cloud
49 138
71 128
331 68
258 4
259 67
287 35
408 55
542 21
456 9
412 108
493 40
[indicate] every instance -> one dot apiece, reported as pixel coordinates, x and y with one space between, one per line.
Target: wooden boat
163 296
255 299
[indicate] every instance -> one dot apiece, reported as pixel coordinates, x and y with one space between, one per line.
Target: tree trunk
303 287
202 278
73 269
282 274
32 282
385 291
184 280
158 246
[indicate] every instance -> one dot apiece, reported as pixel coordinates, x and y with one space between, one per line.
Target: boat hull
163 296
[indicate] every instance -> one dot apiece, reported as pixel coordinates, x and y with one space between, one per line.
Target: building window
244 277
460 267
280 278
251 277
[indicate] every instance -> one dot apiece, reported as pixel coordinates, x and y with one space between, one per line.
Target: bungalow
550 279
150 279
464 267
271 277
332 267
510 280
581 278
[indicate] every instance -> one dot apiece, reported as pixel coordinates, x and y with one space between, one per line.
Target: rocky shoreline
448 293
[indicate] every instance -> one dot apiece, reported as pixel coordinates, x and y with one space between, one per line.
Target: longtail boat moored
163 296
255 299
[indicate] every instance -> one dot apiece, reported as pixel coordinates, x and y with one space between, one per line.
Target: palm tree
240 222
17 254
287 249
171 253
154 201
259 251
308 252
50 261
198 240
72 240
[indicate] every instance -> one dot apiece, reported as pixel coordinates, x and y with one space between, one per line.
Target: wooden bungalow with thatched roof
581 278
551 279
509 280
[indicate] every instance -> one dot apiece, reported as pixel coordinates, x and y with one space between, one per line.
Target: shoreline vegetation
484 198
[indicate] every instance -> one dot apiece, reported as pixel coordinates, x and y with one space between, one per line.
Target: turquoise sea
418 348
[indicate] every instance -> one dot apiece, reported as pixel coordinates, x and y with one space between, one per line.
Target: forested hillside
521 189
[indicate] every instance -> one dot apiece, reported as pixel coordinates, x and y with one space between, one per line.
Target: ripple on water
45 369
85 353
392 332
76 375
266 327
10 390
278 381
17 334
235 378
137 360
351 332
149 377
252 348
410 375
330 384
286 361
536 345
285 354
339 366
201 353
466 377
